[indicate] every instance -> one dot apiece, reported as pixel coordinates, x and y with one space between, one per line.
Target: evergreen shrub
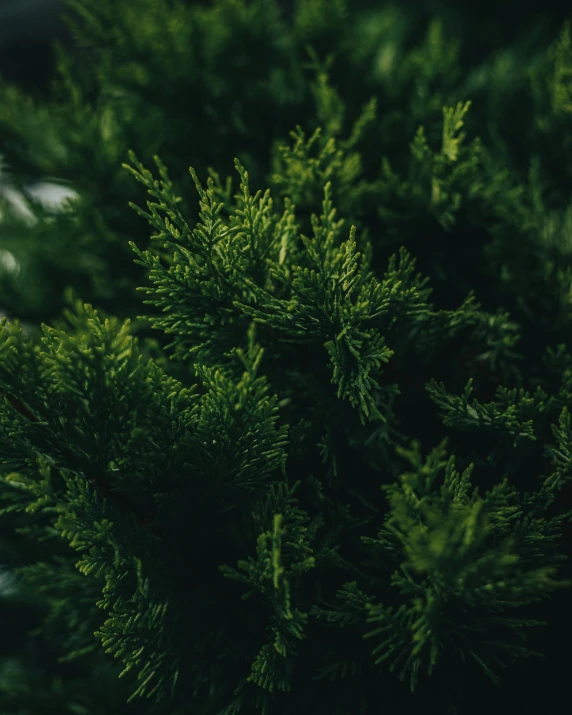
293 434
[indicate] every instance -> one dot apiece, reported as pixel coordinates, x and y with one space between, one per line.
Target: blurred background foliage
158 89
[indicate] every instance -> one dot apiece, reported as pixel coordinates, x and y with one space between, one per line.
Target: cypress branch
336 449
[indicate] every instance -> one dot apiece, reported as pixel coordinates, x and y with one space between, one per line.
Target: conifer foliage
328 469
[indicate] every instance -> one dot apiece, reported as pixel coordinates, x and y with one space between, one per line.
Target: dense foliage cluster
328 469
